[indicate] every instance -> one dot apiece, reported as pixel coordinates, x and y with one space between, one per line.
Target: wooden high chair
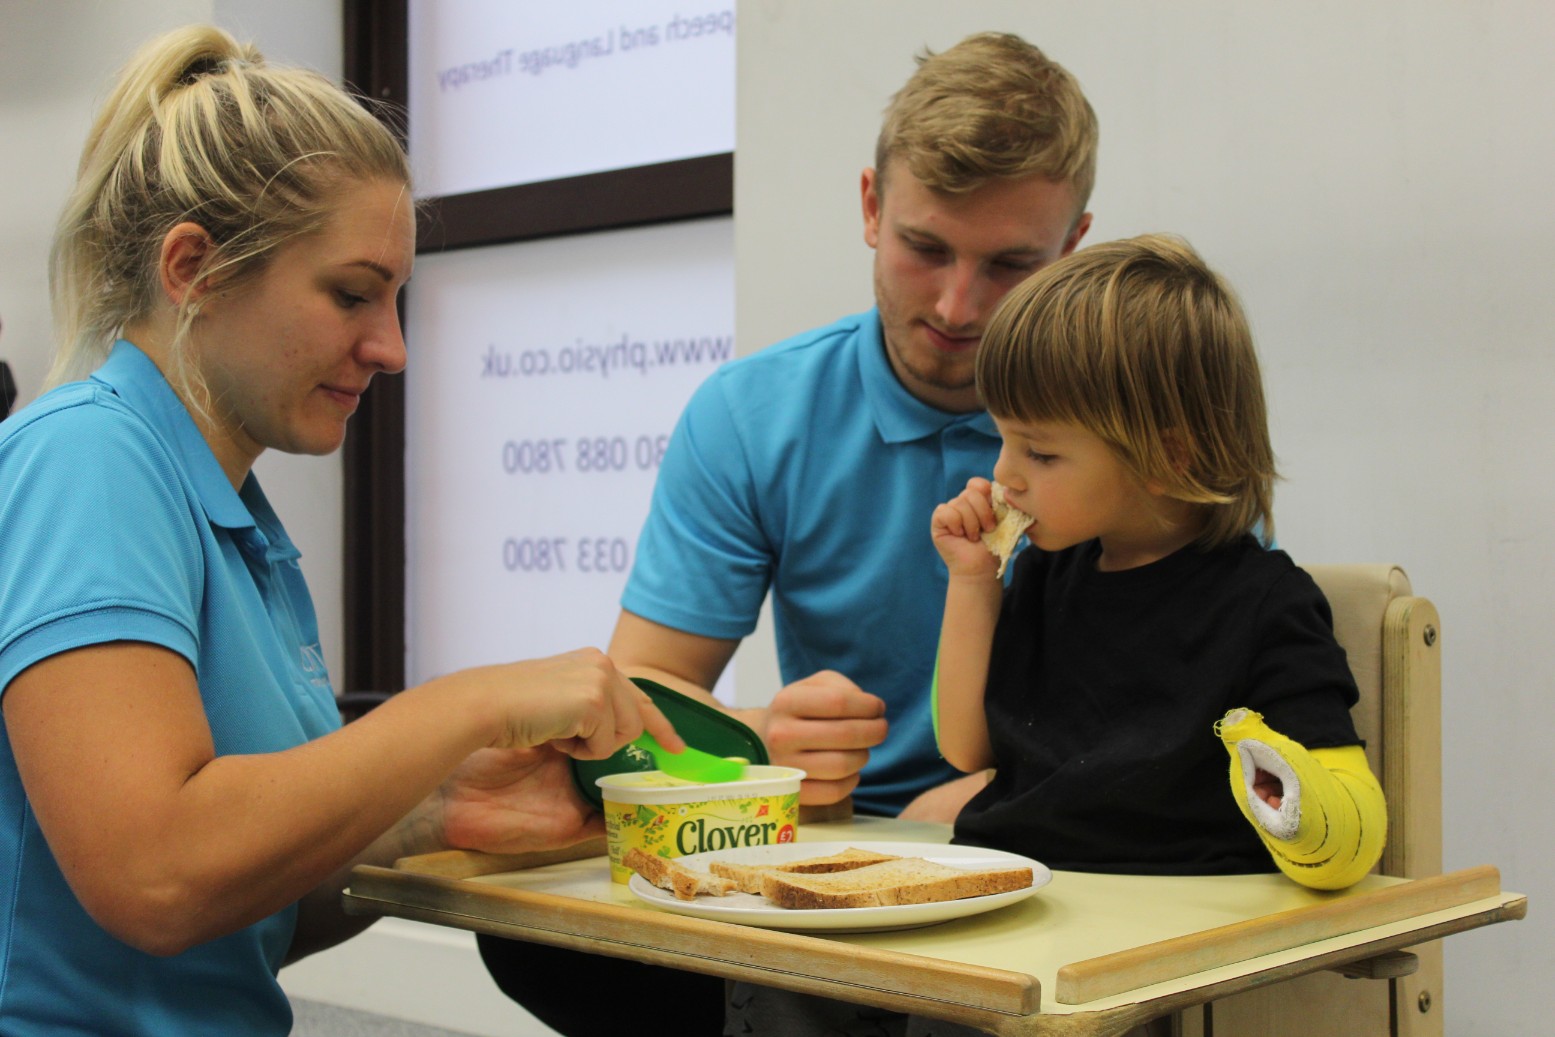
1093 955
1393 640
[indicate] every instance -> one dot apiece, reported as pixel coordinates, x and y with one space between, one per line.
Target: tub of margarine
673 817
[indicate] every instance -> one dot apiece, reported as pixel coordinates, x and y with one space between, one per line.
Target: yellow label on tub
681 829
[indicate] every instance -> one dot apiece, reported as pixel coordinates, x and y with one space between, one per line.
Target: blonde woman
180 804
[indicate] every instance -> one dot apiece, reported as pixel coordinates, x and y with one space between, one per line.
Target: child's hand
957 527
1320 812
1268 788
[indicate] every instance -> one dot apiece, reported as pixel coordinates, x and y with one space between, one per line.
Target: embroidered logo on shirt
313 665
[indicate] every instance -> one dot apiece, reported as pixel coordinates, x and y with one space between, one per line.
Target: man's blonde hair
199 128
991 107
1144 346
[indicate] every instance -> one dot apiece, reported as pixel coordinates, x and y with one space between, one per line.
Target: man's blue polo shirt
807 468
117 523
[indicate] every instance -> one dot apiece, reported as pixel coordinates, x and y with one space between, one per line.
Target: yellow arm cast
1329 830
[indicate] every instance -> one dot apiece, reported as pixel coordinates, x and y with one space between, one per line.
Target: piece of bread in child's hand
906 880
670 874
1011 523
748 877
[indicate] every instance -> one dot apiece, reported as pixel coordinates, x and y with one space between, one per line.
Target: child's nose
1004 472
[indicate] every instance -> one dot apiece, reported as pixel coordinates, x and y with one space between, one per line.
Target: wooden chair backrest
1393 641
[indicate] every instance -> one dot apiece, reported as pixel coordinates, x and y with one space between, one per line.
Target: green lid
702 726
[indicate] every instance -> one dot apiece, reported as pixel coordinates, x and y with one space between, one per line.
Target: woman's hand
957 527
518 796
577 702
168 844
515 801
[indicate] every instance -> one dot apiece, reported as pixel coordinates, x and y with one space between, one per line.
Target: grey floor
313 1019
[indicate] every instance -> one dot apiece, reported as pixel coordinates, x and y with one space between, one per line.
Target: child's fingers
947 520
967 506
979 494
982 507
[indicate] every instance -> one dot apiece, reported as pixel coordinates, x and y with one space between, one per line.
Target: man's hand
825 725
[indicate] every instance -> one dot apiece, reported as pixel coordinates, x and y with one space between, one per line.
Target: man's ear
185 258
869 191
1076 232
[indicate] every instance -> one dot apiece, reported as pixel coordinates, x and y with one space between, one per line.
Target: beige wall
56 57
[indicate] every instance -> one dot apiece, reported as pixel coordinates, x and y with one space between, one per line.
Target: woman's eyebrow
377 268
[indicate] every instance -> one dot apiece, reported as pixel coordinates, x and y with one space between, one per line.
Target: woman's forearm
166 843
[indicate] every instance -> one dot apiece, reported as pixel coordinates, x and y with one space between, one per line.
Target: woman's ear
184 260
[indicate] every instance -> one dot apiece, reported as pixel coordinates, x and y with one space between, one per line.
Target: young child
1148 618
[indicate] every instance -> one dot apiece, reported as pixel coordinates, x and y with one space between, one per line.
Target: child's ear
1178 450
1175 446
185 257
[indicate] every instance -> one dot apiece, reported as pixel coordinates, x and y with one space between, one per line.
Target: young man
811 468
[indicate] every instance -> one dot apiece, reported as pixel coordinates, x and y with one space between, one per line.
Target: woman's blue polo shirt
809 469
118 524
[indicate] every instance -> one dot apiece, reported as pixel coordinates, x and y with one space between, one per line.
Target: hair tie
203 66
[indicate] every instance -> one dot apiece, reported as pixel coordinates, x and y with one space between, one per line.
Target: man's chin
940 380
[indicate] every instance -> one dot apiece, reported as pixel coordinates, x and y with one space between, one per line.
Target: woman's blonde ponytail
199 128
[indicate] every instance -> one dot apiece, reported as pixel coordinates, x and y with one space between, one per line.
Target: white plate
749 909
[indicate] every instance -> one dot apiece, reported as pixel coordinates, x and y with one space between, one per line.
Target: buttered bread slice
906 880
748 876
676 877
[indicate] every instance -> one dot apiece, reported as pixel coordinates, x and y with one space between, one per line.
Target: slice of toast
748 876
907 880
1012 522
670 874
847 860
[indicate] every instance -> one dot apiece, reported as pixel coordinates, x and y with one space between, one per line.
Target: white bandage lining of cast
1282 823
